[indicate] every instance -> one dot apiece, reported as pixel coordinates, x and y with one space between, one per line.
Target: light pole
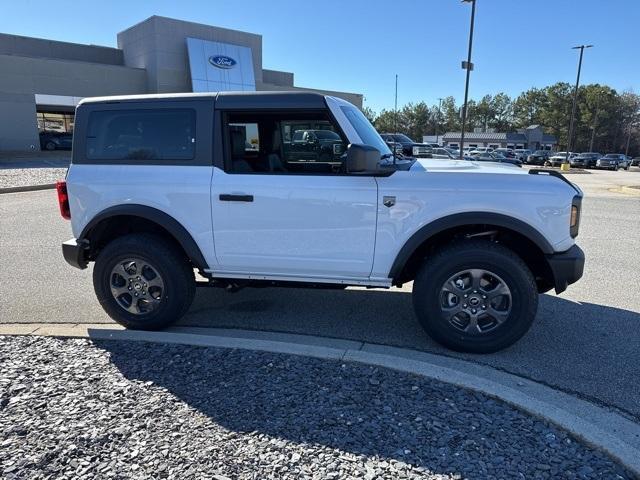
575 99
395 108
593 131
438 119
626 150
468 66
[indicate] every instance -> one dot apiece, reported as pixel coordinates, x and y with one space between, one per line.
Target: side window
283 143
163 134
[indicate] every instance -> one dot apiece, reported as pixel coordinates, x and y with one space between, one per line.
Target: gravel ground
76 409
21 177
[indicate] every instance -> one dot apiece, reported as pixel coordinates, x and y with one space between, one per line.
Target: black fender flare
460 220
162 219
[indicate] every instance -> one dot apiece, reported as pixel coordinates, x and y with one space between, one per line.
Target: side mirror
362 158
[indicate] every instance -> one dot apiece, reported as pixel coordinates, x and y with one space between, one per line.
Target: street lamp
468 66
395 108
438 119
575 99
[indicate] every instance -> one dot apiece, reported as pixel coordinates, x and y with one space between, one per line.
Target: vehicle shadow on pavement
268 399
265 401
582 348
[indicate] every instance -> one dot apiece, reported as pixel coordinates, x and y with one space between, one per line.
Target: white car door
278 216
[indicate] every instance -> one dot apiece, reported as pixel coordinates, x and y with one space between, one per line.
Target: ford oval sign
222 61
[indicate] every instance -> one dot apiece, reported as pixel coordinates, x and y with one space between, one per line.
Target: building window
473 145
494 145
453 145
55 122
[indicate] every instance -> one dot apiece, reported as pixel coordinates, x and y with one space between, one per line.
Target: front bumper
607 165
566 267
74 253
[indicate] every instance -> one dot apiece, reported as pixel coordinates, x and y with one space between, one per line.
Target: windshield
403 138
612 155
540 152
365 130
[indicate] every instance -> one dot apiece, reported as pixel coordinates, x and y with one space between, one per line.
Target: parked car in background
396 148
480 150
539 157
613 161
559 158
522 154
409 147
322 146
585 160
507 152
635 162
453 151
442 153
495 157
55 140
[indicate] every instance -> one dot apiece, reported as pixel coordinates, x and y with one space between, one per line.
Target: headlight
416 150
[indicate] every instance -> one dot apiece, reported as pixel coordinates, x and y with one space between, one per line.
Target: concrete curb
599 427
27 188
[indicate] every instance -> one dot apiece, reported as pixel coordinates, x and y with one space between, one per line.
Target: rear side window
162 134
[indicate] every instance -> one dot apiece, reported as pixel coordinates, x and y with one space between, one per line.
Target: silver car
613 161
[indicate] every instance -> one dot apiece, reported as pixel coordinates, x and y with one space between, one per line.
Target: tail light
574 224
63 199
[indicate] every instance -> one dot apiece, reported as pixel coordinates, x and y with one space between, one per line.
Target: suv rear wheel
143 282
475 296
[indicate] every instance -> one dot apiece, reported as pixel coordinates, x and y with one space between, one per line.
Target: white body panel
181 192
433 189
316 225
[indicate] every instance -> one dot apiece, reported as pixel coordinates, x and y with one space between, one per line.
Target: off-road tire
475 254
174 268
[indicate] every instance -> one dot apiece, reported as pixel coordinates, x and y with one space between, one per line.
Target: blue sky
359 45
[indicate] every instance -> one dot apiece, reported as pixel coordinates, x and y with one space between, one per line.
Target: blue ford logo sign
222 61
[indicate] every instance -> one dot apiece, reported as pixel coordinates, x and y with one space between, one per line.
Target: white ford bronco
224 184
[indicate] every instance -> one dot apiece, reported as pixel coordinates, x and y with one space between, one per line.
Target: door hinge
388 201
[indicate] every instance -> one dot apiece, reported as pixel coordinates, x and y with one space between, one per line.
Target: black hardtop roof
226 100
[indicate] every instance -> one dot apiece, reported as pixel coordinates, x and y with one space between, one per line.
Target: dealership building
41 81
532 137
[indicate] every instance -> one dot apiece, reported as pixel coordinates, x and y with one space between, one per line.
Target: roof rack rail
553 173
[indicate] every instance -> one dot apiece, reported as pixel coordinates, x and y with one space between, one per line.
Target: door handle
229 197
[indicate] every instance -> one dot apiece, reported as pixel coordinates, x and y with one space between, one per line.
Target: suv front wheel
143 281
475 296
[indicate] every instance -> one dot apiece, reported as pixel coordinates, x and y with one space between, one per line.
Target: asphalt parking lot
584 341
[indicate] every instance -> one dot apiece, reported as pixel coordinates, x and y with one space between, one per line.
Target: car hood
465 166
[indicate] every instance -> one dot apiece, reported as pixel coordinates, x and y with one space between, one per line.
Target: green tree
556 110
502 112
527 108
416 120
450 115
370 114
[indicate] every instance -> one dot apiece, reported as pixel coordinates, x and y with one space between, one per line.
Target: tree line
605 119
